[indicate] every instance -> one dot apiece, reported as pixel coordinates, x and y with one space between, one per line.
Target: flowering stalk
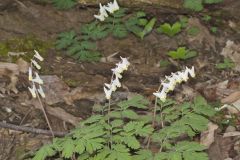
168 85
115 83
36 88
111 7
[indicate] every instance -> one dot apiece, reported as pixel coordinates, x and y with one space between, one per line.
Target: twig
31 130
45 115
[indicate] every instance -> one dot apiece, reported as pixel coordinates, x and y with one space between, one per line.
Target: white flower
118 69
118 75
115 4
108 92
37 79
112 7
191 71
36 64
172 83
125 62
117 72
103 13
100 17
40 91
116 82
30 74
183 75
177 78
168 87
161 95
33 91
107 85
38 56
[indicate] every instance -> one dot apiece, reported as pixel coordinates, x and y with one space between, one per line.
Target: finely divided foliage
95 139
82 46
124 130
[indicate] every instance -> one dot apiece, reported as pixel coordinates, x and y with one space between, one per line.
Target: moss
25 44
71 82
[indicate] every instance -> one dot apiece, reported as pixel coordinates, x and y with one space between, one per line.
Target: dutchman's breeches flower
36 81
111 8
117 74
170 82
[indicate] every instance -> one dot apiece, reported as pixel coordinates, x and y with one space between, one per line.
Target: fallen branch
31 130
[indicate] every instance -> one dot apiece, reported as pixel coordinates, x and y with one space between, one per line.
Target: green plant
212 1
83 46
164 63
195 5
184 21
214 29
193 31
64 4
227 63
139 25
169 30
198 5
206 18
182 53
96 139
80 48
115 24
23 45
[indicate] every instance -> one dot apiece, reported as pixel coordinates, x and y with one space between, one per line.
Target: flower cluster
36 80
172 81
117 74
111 7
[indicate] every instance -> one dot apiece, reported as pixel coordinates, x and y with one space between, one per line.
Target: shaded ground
84 81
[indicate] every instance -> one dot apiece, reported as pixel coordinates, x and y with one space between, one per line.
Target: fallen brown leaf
207 137
231 98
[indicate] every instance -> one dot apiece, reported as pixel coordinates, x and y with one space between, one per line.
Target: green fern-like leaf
191 150
161 156
119 152
195 5
137 102
80 49
130 114
143 155
44 152
119 31
189 146
66 39
131 142
197 122
93 119
120 13
195 155
201 107
137 128
68 148
64 4
212 1
94 31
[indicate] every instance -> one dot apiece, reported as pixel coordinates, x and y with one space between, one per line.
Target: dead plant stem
45 114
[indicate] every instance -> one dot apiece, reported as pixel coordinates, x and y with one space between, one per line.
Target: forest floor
73 87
